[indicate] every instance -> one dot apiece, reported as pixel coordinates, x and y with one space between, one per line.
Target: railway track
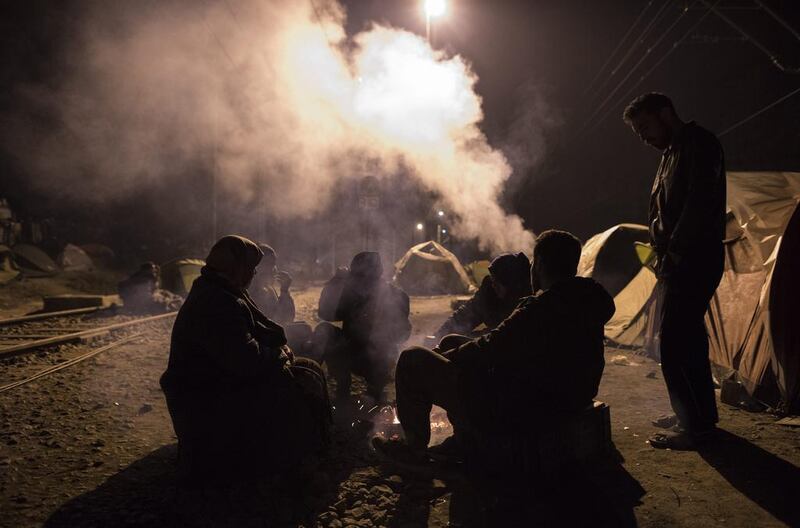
25 335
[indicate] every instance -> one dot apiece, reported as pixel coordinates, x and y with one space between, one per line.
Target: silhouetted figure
545 359
240 403
279 306
374 316
140 293
687 227
500 292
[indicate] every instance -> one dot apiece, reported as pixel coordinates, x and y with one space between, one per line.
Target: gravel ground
93 446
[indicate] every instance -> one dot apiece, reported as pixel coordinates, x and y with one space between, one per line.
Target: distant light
444 231
440 213
435 8
420 227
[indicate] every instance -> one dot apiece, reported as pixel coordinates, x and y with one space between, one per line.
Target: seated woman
500 292
278 305
241 404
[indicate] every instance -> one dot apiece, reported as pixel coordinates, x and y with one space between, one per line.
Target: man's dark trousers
425 378
685 295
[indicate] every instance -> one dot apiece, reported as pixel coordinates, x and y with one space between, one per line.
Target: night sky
591 177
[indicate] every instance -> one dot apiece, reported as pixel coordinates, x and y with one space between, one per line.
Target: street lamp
420 227
433 9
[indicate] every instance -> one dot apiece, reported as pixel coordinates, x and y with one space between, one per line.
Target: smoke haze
276 98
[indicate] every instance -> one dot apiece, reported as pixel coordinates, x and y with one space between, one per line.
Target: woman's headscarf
234 257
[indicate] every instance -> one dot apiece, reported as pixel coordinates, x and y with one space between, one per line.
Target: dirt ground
93 446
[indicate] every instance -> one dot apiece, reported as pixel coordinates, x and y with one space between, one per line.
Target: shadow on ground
598 495
146 494
764 478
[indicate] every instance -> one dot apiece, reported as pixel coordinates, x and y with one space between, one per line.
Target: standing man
687 227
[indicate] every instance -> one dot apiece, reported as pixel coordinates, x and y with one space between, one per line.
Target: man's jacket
485 308
547 357
687 203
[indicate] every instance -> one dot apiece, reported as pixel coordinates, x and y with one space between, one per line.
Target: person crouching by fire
546 358
241 404
499 293
374 316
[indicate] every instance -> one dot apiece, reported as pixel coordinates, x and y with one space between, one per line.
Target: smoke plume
276 97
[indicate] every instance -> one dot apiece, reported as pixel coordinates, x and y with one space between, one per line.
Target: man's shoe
683 440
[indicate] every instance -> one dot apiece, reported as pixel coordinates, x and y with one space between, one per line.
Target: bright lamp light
435 8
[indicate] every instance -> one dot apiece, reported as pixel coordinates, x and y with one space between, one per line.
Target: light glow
435 8
419 227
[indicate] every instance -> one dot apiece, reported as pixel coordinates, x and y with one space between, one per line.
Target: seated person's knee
451 341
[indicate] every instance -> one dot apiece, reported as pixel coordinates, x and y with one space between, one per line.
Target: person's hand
284 279
288 353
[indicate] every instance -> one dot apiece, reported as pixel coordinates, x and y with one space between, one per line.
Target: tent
611 259
33 261
477 270
100 254
430 269
752 320
178 275
8 269
73 258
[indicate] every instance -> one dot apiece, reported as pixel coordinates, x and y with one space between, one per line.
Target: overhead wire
778 19
759 112
598 109
646 74
774 59
636 43
618 47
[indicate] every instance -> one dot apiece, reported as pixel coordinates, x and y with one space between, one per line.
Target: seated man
500 292
140 293
279 307
545 359
241 404
374 316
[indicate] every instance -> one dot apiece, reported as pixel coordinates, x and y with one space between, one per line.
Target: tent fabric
8 269
73 258
751 320
178 275
629 324
430 269
33 261
610 257
99 253
477 270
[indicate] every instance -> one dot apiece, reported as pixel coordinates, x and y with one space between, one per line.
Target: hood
581 298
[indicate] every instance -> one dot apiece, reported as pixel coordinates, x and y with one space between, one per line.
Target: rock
381 489
145 408
357 512
620 360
